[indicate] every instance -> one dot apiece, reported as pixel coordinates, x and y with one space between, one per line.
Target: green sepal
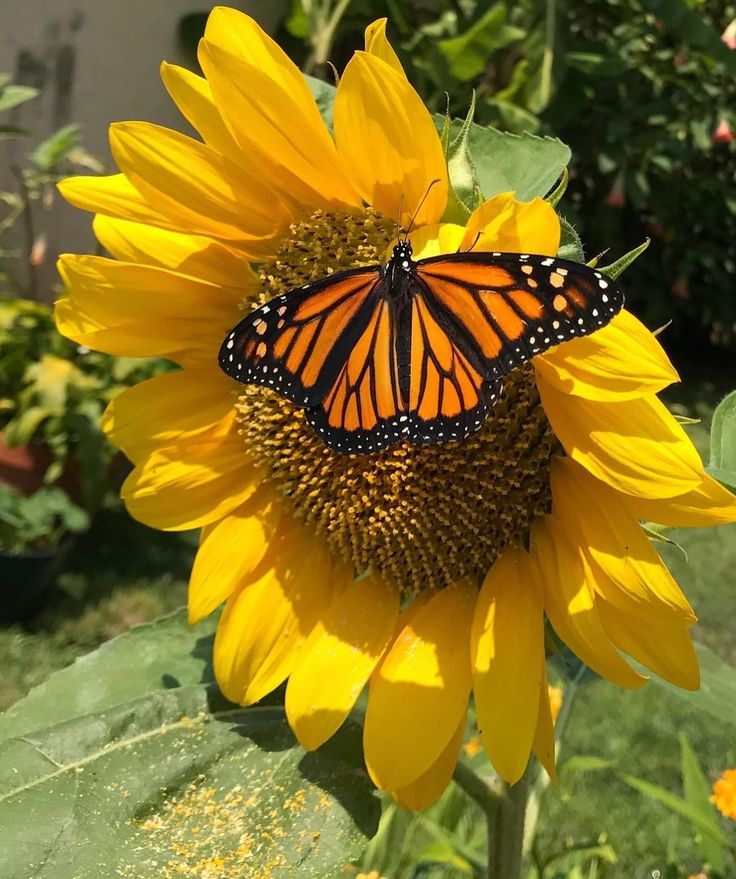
555 196
616 268
464 193
571 247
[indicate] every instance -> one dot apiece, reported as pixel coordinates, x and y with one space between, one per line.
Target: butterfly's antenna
419 206
475 241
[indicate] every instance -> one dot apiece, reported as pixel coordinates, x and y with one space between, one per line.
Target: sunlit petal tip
507 650
570 604
710 503
345 646
376 43
621 361
426 790
544 734
620 561
665 648
389 142
420 692
635 446
190 484
266 621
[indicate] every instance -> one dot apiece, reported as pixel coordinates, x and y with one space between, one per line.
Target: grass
122 573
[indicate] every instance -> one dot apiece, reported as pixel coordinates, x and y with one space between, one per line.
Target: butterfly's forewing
511 307
297 343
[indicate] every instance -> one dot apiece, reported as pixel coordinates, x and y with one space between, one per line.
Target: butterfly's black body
367 351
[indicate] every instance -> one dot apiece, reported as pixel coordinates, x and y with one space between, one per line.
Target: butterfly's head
401 256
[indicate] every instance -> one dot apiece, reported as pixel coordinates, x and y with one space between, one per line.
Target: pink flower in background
723 133
729 35
616 198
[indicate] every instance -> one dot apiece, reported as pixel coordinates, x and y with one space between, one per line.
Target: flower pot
26 581
24 467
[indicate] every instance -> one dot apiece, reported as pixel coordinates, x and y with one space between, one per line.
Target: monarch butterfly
414 350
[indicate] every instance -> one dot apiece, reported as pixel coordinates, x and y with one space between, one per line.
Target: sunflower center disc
421 516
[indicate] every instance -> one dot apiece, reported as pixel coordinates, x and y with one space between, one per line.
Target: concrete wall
95 61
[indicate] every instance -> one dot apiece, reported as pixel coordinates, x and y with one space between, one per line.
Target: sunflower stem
504 806
506 837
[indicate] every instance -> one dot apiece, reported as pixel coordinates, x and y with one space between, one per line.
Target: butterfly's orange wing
374 363
510 307
297 343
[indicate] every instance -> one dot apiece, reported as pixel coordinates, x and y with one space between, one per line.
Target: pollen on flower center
421 516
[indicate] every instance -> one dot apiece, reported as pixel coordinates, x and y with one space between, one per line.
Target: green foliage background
636 88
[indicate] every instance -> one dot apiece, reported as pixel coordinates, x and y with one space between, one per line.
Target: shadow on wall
93 62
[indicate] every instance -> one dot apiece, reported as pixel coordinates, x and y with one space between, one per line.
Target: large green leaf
174 782
723 441
522 163
161 655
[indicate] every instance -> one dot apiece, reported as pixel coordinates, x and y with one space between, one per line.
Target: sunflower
425 573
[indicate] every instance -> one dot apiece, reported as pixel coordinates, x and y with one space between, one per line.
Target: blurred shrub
53 393
644 93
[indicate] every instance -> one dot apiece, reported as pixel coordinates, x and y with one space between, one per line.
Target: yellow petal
419 693
193 96
264 624
200 190
376 43
135 310
569 603
636 579
271 113
387 138
194 482
708 504
621 361
427 789
665 648
191 255
161 410
343 649
544 734
231 552
434 240
114 196
635 446
504 224
113 289
507 650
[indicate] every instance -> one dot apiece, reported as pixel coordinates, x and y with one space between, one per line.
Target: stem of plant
504 806
30 234
323 34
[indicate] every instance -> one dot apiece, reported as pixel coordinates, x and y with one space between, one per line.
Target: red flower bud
723 133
